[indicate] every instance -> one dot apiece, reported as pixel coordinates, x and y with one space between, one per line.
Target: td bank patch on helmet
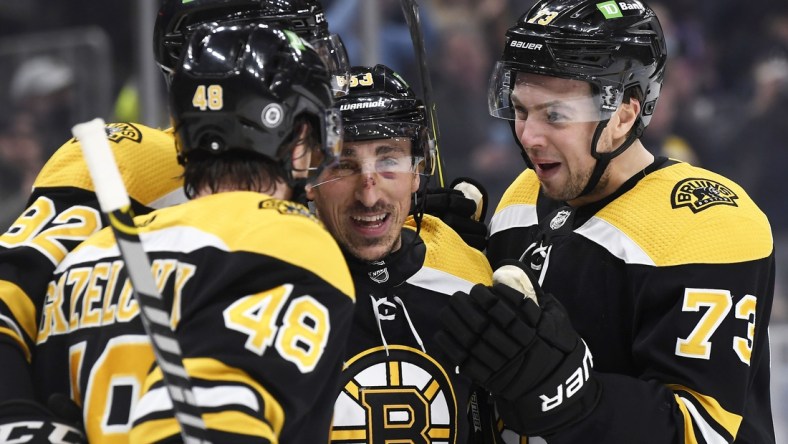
404 396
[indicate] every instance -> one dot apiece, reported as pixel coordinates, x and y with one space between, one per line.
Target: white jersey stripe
439 281
179 239
513 216
615 241
158 400
709 434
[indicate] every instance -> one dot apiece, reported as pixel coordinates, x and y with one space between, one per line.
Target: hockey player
62 209
259 294
394 387
665 270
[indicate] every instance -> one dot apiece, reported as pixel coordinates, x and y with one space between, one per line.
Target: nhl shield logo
381 275
700 194
560 219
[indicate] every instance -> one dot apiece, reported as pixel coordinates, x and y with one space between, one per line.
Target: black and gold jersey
670 282
396 386
63 211
260 299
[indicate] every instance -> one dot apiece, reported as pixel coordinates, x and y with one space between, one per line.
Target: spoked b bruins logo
699 194
405 397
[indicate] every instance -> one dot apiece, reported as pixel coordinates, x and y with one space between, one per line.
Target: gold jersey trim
449 260
209 369
660 222
145 156
215 220
729 421
677 235
23 311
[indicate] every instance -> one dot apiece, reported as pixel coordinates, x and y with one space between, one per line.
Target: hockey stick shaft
115 202
411 11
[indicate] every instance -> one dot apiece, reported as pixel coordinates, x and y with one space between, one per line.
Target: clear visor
422 147
387 164
332 145
518 95
332 51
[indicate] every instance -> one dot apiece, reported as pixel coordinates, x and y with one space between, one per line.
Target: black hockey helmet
613 45
380 105
177 19
242 88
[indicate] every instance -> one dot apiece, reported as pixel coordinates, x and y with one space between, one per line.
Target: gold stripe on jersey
202 370
524 189
645 225
675 236
145 156
689 429
291 238
22 309
214 221
236 422
729 421
517 207
448 253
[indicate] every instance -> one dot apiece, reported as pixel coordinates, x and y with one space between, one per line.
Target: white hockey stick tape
516 278
107 181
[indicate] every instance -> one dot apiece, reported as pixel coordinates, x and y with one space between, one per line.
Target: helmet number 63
208 97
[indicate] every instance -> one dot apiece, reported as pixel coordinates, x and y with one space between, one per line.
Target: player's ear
414 186
626 116
310 192
301 155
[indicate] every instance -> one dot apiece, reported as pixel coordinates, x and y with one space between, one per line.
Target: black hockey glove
527 355
460 212
25 421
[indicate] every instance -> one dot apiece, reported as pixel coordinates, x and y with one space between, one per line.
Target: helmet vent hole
584 54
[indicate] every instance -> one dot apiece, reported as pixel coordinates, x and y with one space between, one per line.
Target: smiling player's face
364 200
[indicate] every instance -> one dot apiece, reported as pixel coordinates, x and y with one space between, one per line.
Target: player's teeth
377 218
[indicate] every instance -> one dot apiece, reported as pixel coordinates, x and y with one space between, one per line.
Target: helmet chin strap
603 159
419 206
522 149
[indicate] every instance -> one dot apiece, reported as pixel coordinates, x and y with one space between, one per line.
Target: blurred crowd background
723 105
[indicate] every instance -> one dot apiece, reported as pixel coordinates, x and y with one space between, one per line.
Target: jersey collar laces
380 309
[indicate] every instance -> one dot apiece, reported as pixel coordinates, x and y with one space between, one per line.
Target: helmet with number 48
178 19
246 88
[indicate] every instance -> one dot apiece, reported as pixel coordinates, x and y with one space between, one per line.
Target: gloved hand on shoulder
463 207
